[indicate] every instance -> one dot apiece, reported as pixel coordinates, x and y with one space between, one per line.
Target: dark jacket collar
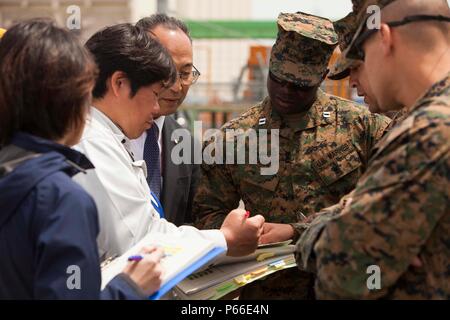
41 145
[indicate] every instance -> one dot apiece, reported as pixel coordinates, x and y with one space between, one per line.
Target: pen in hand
246 216
135 258
139 257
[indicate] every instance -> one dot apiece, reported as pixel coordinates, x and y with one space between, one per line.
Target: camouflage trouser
290 284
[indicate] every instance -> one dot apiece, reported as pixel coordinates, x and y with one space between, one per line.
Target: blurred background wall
232 42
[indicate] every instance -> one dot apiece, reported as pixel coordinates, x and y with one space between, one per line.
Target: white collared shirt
137 145
120 190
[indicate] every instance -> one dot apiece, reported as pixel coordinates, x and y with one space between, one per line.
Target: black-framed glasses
189 78
365 35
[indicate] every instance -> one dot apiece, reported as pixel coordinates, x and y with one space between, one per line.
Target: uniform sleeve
309 230
392 214
376 126
67 263
216 196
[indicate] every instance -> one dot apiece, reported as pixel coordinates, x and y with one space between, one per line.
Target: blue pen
135 258
138 257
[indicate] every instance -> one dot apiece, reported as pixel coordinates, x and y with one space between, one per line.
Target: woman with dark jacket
48 223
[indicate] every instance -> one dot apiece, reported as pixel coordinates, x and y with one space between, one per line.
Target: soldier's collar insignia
326 114
262 121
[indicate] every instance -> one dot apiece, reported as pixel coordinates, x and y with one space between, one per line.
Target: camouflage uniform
399 209
320 159
358 5
345 29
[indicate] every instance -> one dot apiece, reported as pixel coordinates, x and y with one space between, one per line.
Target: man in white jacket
133 70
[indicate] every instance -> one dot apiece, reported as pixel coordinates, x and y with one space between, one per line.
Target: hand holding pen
145 269
242 232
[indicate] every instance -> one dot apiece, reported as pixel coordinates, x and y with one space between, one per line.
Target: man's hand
241 233
276 232
147 273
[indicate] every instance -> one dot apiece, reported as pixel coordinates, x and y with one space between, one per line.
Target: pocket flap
338 163
269 183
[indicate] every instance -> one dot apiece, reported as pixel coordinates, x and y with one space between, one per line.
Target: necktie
152 159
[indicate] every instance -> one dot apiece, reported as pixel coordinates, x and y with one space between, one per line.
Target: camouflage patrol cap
352 51
2 32
303 48
345 29
357 6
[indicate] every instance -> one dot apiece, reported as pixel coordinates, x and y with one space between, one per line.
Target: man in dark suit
173 184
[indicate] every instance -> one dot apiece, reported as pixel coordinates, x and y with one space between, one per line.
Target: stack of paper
228 274
183 256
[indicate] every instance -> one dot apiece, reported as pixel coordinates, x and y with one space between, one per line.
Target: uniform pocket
258 194
339 169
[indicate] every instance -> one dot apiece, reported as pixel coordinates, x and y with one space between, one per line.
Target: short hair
127 48
161 19
46 78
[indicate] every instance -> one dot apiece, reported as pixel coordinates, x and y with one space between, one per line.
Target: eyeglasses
189 78
364 36
285 83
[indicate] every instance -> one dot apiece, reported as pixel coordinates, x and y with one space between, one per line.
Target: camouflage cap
2 32
357 6
303 48
352 51
345 29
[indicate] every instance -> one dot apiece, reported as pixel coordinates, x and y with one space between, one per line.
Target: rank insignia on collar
262 121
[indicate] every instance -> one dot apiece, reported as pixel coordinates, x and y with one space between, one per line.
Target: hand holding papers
182 256
227 274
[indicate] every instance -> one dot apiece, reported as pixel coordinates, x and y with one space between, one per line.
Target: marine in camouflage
320 161
399 210
321 157
361 17
303 48
345 28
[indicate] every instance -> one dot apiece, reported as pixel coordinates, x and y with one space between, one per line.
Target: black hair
161 19
127 48
46 80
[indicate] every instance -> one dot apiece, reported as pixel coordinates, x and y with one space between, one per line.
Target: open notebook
227 274
183 256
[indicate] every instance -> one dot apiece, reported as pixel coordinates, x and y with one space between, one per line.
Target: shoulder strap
12 156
